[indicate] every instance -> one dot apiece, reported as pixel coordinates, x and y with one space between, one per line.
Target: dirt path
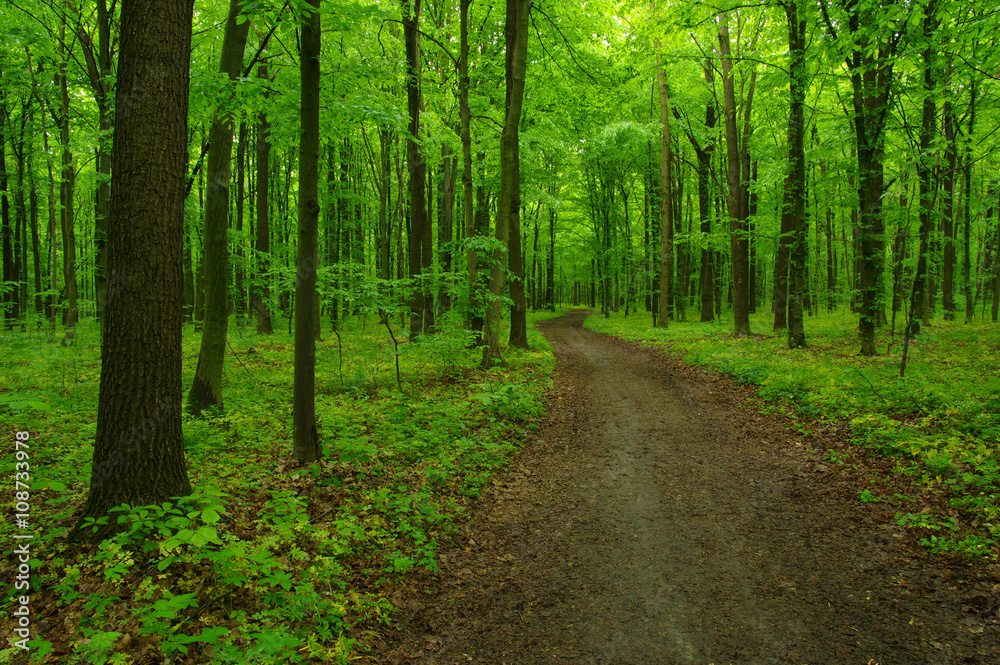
658 519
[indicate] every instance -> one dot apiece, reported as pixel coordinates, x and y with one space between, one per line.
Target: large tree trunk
870 63
420 240
206 391
738 228
516 33
793 214
139 447
263 291
305 438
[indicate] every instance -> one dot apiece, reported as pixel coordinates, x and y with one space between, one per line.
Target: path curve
656 518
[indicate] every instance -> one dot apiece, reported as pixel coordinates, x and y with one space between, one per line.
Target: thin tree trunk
420 242
306 445
206 391
967 207
738 240
950 228
666 207
794 205
67 188
516 58
263 291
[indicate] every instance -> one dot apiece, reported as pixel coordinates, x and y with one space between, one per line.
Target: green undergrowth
267 562
940 425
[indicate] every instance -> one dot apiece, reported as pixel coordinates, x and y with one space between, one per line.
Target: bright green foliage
940 424
266 562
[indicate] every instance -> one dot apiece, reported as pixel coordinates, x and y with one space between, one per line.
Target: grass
267 562
940 424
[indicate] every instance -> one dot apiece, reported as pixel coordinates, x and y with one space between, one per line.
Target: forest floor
658 517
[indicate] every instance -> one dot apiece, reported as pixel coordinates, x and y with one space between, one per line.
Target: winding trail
657 518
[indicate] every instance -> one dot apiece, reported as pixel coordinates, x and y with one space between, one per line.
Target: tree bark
139 447
420 240
305 437
206 391
516 57
793 216
738 229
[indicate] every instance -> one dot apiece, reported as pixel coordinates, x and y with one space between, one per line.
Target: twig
385 320
240 361
871 384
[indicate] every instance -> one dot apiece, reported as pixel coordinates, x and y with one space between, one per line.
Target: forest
292 288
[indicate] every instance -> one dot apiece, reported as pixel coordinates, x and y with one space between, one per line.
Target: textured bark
738 229
139 447
206 391
793 214
305 438
516 56
420 237
870 64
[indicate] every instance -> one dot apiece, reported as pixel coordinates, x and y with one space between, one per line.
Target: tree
738 227
516 59
305 438
666 207
206 391
420 240
139 448
793 215
263 292
870 39
919 309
